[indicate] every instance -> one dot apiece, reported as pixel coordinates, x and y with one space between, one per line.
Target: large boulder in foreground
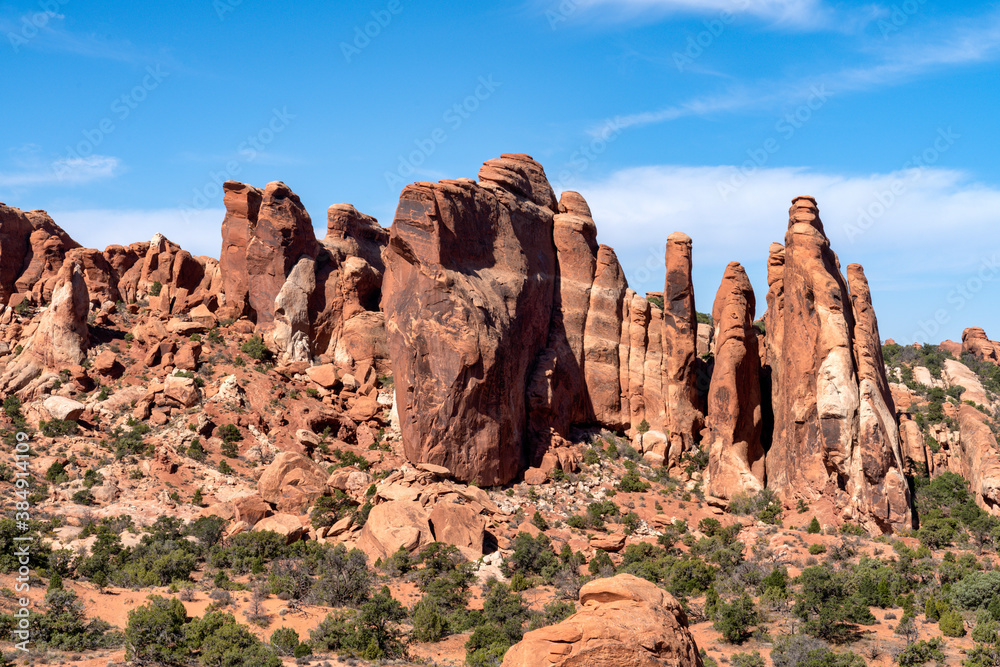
467 297
625 622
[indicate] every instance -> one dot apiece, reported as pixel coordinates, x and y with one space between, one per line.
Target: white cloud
791 13
919 232
63 171
198 232
960 44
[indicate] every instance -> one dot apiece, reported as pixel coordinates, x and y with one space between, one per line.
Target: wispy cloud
63 171
964 43
51 36
789 13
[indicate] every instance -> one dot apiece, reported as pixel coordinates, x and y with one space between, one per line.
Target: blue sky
703 116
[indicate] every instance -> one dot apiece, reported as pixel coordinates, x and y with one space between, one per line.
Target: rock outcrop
832 441
32 250
680 345
61 337
264 235
978 457
884 492
735 453
976 343
624 621
602 341
467 298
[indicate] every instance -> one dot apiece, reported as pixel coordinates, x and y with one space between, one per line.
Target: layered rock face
834 437
60 338
32 250
265 233
735 453
485 280
344 308
625 621
978 457
976 343
467 296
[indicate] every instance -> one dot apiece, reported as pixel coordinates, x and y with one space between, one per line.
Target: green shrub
805 651
539 521
155 633
531 555
814 527
736 620
754 659
155 288
284 641
57 427
921 652
255 349
951 624
816 549
225 468
429 622
763 505
56 473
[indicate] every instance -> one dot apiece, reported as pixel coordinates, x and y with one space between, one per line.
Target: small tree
951 624
284 641
814 527
155 633
736 620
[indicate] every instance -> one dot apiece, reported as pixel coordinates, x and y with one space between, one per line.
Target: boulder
292 482
287 525
61 407
459 525
183 390
624 621
325 375
392 525
976 343
250 509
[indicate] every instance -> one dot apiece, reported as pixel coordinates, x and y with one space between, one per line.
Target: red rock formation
975 342
61 336
978 457
680 345
344 308
879 460
829 424
735 453
15 231
283 235
467 298
601 339
557 395
242 203
624 621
